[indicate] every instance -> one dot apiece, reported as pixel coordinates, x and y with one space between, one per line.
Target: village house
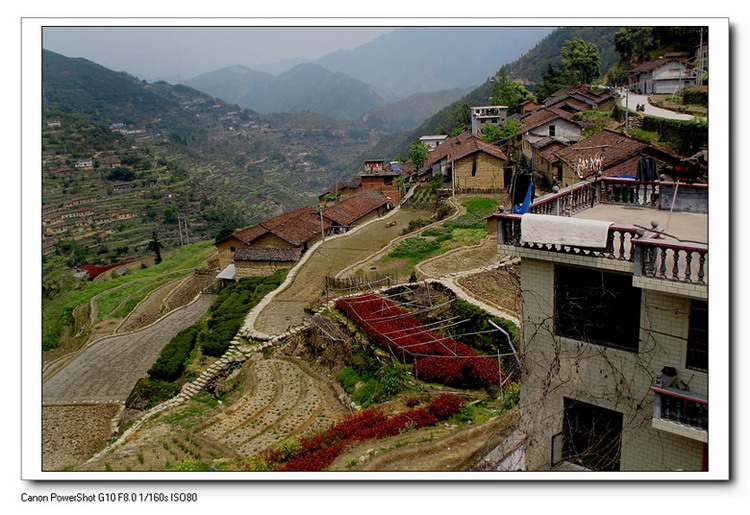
79 200
48 247
298 229
85 163
614 281
548 122
256 262
468 163
356 210
119 187
610 153
487 115
62 173
539 150
431 141
340 190
666 75
381 178
581 98
55 228
527 106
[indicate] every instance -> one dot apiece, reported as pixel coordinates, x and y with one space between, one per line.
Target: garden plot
281 401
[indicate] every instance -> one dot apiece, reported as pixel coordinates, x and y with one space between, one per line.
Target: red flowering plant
445 405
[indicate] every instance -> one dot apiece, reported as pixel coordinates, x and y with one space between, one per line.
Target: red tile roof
355 207
295 227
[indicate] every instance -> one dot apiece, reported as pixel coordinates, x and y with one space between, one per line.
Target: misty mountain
305 88
419 59
528 67
409 112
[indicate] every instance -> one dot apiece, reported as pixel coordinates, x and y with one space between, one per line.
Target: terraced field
281 401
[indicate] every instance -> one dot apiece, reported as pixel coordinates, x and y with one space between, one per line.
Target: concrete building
487 115
615 326
662 76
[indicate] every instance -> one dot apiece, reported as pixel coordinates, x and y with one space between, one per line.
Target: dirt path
108 370
439 448
286 308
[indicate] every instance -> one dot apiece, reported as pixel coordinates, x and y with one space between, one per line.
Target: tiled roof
584 93
355 207
652 65
266 254
300 229
544 115
461 146
285 217
249 234
295 227
614 148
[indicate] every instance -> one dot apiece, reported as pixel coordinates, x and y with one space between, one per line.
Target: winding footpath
108 370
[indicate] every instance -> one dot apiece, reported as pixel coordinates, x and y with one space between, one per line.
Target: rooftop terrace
646 236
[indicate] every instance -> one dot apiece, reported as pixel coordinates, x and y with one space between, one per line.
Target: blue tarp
520 209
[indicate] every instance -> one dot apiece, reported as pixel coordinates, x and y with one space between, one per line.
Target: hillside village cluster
612 237
614 313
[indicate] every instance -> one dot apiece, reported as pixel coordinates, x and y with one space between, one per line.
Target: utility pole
322 232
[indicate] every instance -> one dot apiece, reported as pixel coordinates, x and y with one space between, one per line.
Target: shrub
445 405
417 248
171 361
348 378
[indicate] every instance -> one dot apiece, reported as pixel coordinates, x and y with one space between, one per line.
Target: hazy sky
158 52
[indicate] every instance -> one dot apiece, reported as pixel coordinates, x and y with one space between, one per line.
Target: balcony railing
672 261
618 247
651 257
680 406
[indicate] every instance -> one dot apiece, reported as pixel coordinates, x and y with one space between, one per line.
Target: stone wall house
260 262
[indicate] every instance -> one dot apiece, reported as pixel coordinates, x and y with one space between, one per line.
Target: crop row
317 452
436 358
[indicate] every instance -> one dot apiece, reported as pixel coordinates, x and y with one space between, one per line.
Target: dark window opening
597 307
697 344
551 130
388 181
232 249
593 436
559 172
474 167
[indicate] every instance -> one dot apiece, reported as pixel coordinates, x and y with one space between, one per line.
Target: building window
388 181
232 249
551 130
474 167
597 307
593 436
697 344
